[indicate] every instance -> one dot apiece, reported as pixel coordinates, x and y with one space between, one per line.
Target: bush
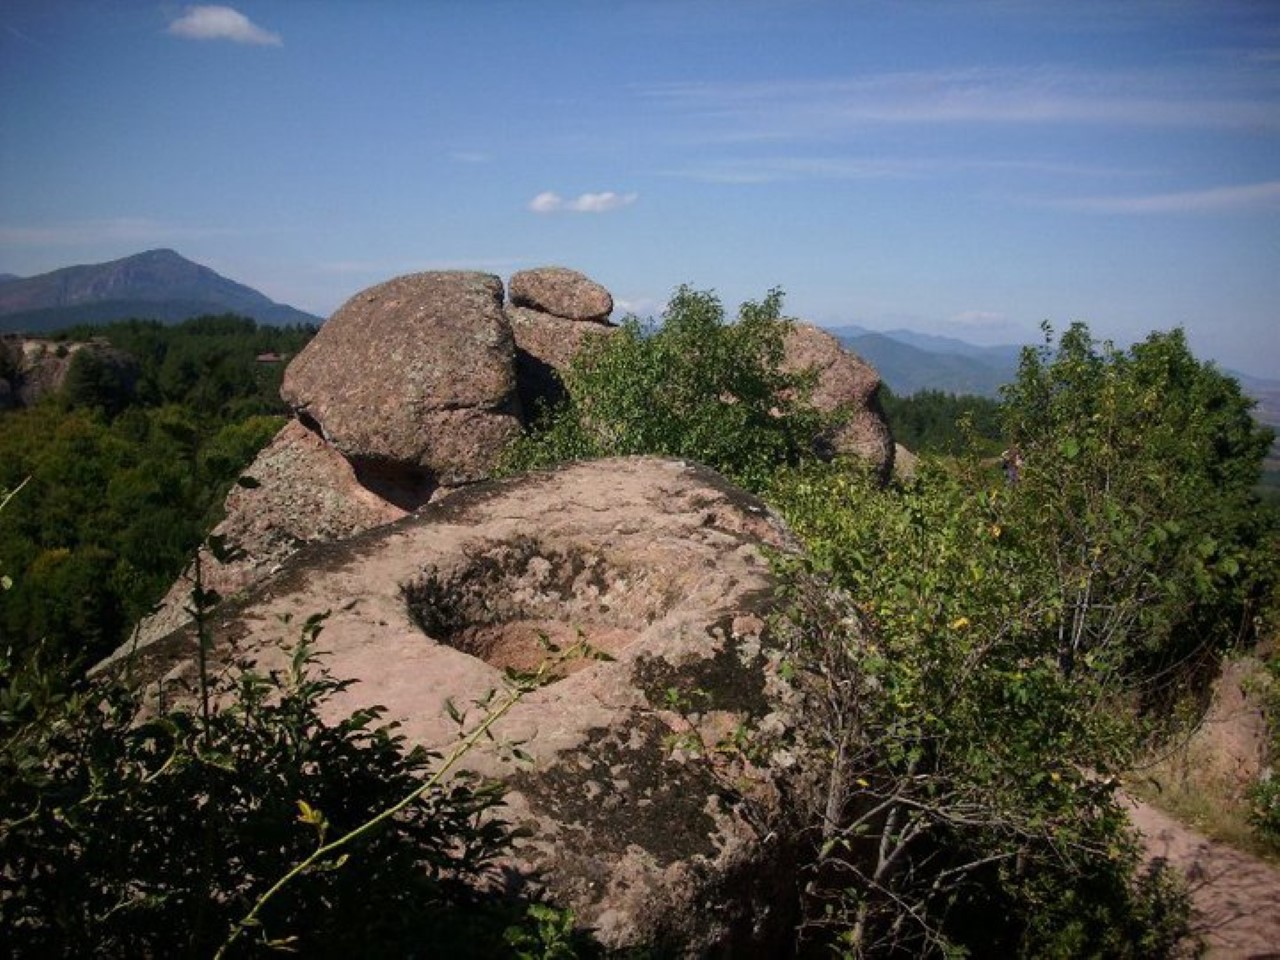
130 832
696 387
957 816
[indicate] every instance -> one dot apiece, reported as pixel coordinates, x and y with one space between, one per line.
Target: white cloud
549 202
1248 198
546 202
222 23
470 156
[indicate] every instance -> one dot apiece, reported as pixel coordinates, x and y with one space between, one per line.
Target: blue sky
961 168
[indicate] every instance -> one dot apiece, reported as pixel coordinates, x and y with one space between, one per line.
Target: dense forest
985 652
123 475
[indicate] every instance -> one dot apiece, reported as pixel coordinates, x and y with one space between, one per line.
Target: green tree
1138 487
695 387
957 815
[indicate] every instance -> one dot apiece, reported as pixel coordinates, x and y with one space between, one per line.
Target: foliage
957 812
1264 795
128 469
1138 486
695 387
933 422
207 363
112 511
131 831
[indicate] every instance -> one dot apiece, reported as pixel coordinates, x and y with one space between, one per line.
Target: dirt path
1236 897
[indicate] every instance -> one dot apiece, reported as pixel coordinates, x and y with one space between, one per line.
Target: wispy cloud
549 202
120 229
1246 198
222 23
470 156
784 109
754 170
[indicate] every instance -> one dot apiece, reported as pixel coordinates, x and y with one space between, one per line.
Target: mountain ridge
156 284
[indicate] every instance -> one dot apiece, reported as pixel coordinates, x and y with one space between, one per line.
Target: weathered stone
415 374
545 345
905 464
848 387
627 817
303 492
563 292
38 368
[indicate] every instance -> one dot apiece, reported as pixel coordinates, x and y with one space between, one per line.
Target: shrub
128 831
695 387
957 814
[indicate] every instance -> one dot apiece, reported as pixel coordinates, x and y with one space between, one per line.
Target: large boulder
298 490
561 292
848 388
413 380
545 346
628 816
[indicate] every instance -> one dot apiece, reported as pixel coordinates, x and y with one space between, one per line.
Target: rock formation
413 388
552 313
847 387
413 381
301 491
561 292
32 368
627 813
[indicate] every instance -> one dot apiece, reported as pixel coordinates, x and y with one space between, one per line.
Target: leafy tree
695 387
933 422
1138 488
957 812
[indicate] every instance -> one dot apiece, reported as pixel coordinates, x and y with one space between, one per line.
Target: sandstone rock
413 380
305 492
545 345
848 386
562 292
657 563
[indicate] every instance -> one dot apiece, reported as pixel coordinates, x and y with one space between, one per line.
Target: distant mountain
933 363
6 277
158 284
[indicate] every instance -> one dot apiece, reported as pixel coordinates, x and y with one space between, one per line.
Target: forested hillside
123 477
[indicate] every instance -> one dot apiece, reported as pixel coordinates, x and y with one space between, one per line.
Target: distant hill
157 284
6 277
910 362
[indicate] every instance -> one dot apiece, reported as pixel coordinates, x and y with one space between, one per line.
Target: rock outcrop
625 811
847 387
562 293
33 368
552 312
301 491
413 381
412 390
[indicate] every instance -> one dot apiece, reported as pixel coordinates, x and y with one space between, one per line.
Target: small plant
125 832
